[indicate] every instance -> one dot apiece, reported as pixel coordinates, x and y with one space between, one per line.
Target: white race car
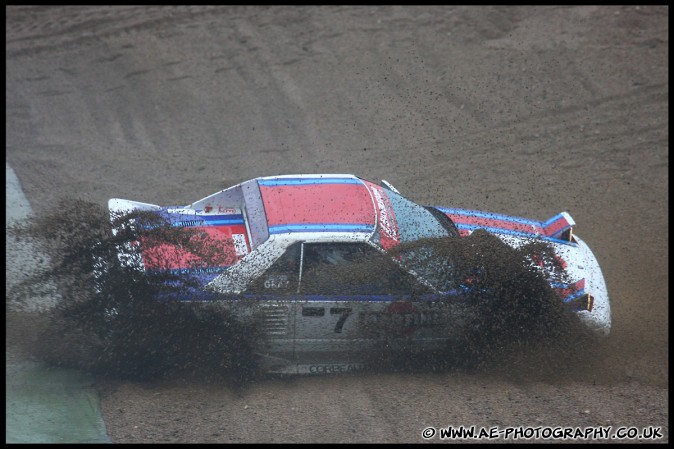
283 236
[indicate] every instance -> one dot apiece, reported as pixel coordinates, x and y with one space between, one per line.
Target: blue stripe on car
306 181
321 227
477 213
575 295
552 220
225 221
511 232
203 220
558 285
350 298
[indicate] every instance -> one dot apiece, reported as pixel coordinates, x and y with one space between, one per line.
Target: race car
284 240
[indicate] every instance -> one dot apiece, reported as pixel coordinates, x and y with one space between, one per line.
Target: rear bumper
599 319
581 264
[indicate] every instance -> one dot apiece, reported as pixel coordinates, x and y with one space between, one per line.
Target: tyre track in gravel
34 30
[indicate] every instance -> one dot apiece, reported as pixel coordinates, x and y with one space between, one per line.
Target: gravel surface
520 110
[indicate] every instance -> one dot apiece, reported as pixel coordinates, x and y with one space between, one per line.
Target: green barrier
43 405
51 405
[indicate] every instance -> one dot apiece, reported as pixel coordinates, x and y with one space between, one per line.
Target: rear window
414 221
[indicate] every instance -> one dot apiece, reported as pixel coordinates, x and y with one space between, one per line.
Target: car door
345 290
322 302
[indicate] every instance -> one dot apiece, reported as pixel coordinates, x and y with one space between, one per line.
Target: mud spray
109 320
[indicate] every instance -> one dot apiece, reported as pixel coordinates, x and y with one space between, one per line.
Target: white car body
266 219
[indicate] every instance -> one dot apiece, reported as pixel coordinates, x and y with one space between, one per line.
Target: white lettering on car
277 282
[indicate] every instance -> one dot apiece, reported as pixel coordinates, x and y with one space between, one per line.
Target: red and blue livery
280 234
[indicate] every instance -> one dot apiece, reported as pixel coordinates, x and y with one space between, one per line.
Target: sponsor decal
330 368
401 318
209 208
388 227
180 210
198 270
275 282
188 223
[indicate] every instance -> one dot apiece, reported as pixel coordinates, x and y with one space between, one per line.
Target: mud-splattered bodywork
311 257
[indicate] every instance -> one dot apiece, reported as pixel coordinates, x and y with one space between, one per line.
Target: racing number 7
345 312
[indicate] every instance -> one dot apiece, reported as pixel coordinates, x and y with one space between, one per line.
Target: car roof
319 207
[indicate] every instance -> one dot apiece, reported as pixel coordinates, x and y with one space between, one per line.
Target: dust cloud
118 320
110 320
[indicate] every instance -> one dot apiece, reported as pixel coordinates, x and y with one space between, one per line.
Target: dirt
519 110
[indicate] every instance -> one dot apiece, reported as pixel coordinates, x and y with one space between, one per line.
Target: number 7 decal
345 312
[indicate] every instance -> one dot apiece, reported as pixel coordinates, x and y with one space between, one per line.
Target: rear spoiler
121 206
118 207
559 227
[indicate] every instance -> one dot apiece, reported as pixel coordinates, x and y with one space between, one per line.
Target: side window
352 269
282 277
432 262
